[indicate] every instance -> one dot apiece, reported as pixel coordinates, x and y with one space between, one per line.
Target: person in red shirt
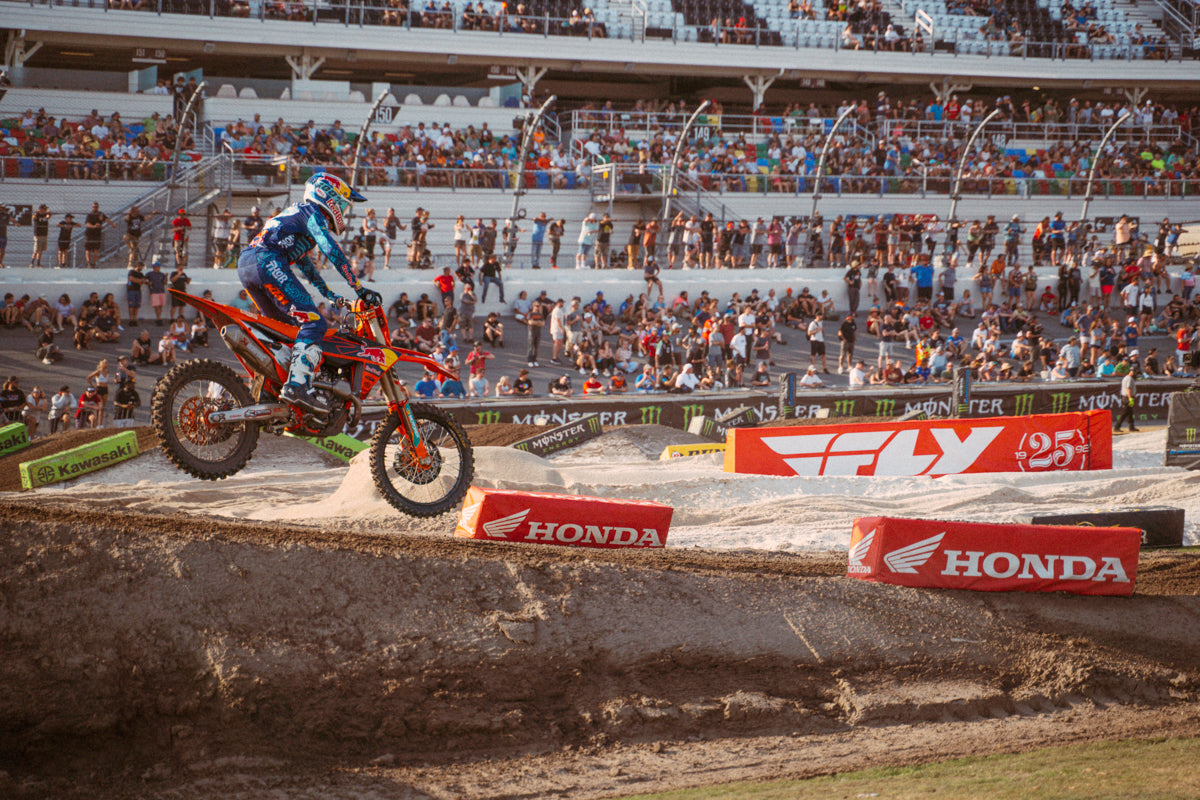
593 385
445 284
477 361
181 226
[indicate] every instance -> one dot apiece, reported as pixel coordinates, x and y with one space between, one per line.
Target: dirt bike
209 419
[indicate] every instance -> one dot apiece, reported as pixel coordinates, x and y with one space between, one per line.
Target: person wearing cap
156 279
180 233
588 230
66 227
126 401
93 234
811 379
1128 396
252 225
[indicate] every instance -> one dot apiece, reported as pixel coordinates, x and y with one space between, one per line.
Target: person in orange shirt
593 385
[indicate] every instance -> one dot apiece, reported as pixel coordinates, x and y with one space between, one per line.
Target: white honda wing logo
907 559
499 528
860 549
468 516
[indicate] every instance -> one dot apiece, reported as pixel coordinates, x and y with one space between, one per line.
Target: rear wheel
183 399
429 486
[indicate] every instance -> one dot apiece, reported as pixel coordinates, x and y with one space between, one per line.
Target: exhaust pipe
250 351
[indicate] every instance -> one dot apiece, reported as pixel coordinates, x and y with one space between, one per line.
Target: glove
369 296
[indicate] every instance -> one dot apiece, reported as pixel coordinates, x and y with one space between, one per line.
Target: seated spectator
523 386
452 387
427 387
46 351
686 381
593 384
37 405
126 401
62 409
617 383
493 330
90 412
561 387
761 376
811 380
504 387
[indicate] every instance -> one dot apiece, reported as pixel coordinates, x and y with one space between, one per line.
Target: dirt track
149 656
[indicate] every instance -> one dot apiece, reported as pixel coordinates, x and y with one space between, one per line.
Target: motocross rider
265 269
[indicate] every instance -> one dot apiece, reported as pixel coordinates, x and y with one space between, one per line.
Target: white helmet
333 195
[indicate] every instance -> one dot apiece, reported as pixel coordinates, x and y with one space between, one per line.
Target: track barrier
78 461
570 520
1044 443
994 558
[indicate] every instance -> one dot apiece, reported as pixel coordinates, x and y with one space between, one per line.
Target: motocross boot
298 390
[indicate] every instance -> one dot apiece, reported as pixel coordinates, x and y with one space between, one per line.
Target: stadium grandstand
426 105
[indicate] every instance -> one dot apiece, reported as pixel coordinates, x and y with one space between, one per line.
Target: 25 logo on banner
1039 451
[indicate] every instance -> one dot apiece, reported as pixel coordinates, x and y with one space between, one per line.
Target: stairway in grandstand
627 19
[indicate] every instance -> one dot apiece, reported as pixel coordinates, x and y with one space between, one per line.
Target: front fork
398 403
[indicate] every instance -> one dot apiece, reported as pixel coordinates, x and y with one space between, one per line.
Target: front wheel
422 487
183 399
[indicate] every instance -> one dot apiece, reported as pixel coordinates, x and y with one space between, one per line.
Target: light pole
669 178
362 134
962 162
532 120
1087 192
825 152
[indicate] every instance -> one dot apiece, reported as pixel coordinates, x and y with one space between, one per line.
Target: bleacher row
765 22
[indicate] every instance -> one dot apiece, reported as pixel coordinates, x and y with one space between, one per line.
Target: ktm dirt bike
208 417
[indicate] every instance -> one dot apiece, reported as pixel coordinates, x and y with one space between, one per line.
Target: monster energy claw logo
487 417
845 408
885 408
1189 435
594 424
651 414
1060 402
1022 405
690 411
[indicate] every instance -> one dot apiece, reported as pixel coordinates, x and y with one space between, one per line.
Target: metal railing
791 33
756 128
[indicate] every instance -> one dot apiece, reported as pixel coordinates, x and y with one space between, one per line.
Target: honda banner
1042 443
563 519
994 558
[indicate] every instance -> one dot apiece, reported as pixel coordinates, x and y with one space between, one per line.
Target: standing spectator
62 409
445 285
536 239
558 330
816 344
1128 396
179 281
41 234
370 233
555 231
587 241
135 221
466 312
391 233
847 333
853 280
222 225
604 241
511 232
251 226
65 228
126 401
181 228
93 234
156 279
650 272
534 321
134 282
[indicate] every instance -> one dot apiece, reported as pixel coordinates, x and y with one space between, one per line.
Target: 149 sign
1043 450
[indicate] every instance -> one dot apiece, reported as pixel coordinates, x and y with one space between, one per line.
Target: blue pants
277 292
536 254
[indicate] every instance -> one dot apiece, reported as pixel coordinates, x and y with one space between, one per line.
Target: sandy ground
283 633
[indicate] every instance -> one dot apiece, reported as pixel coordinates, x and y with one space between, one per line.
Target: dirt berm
160 656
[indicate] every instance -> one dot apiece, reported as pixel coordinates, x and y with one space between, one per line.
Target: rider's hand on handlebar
369 296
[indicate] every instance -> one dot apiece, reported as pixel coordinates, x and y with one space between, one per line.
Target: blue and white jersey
295 231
